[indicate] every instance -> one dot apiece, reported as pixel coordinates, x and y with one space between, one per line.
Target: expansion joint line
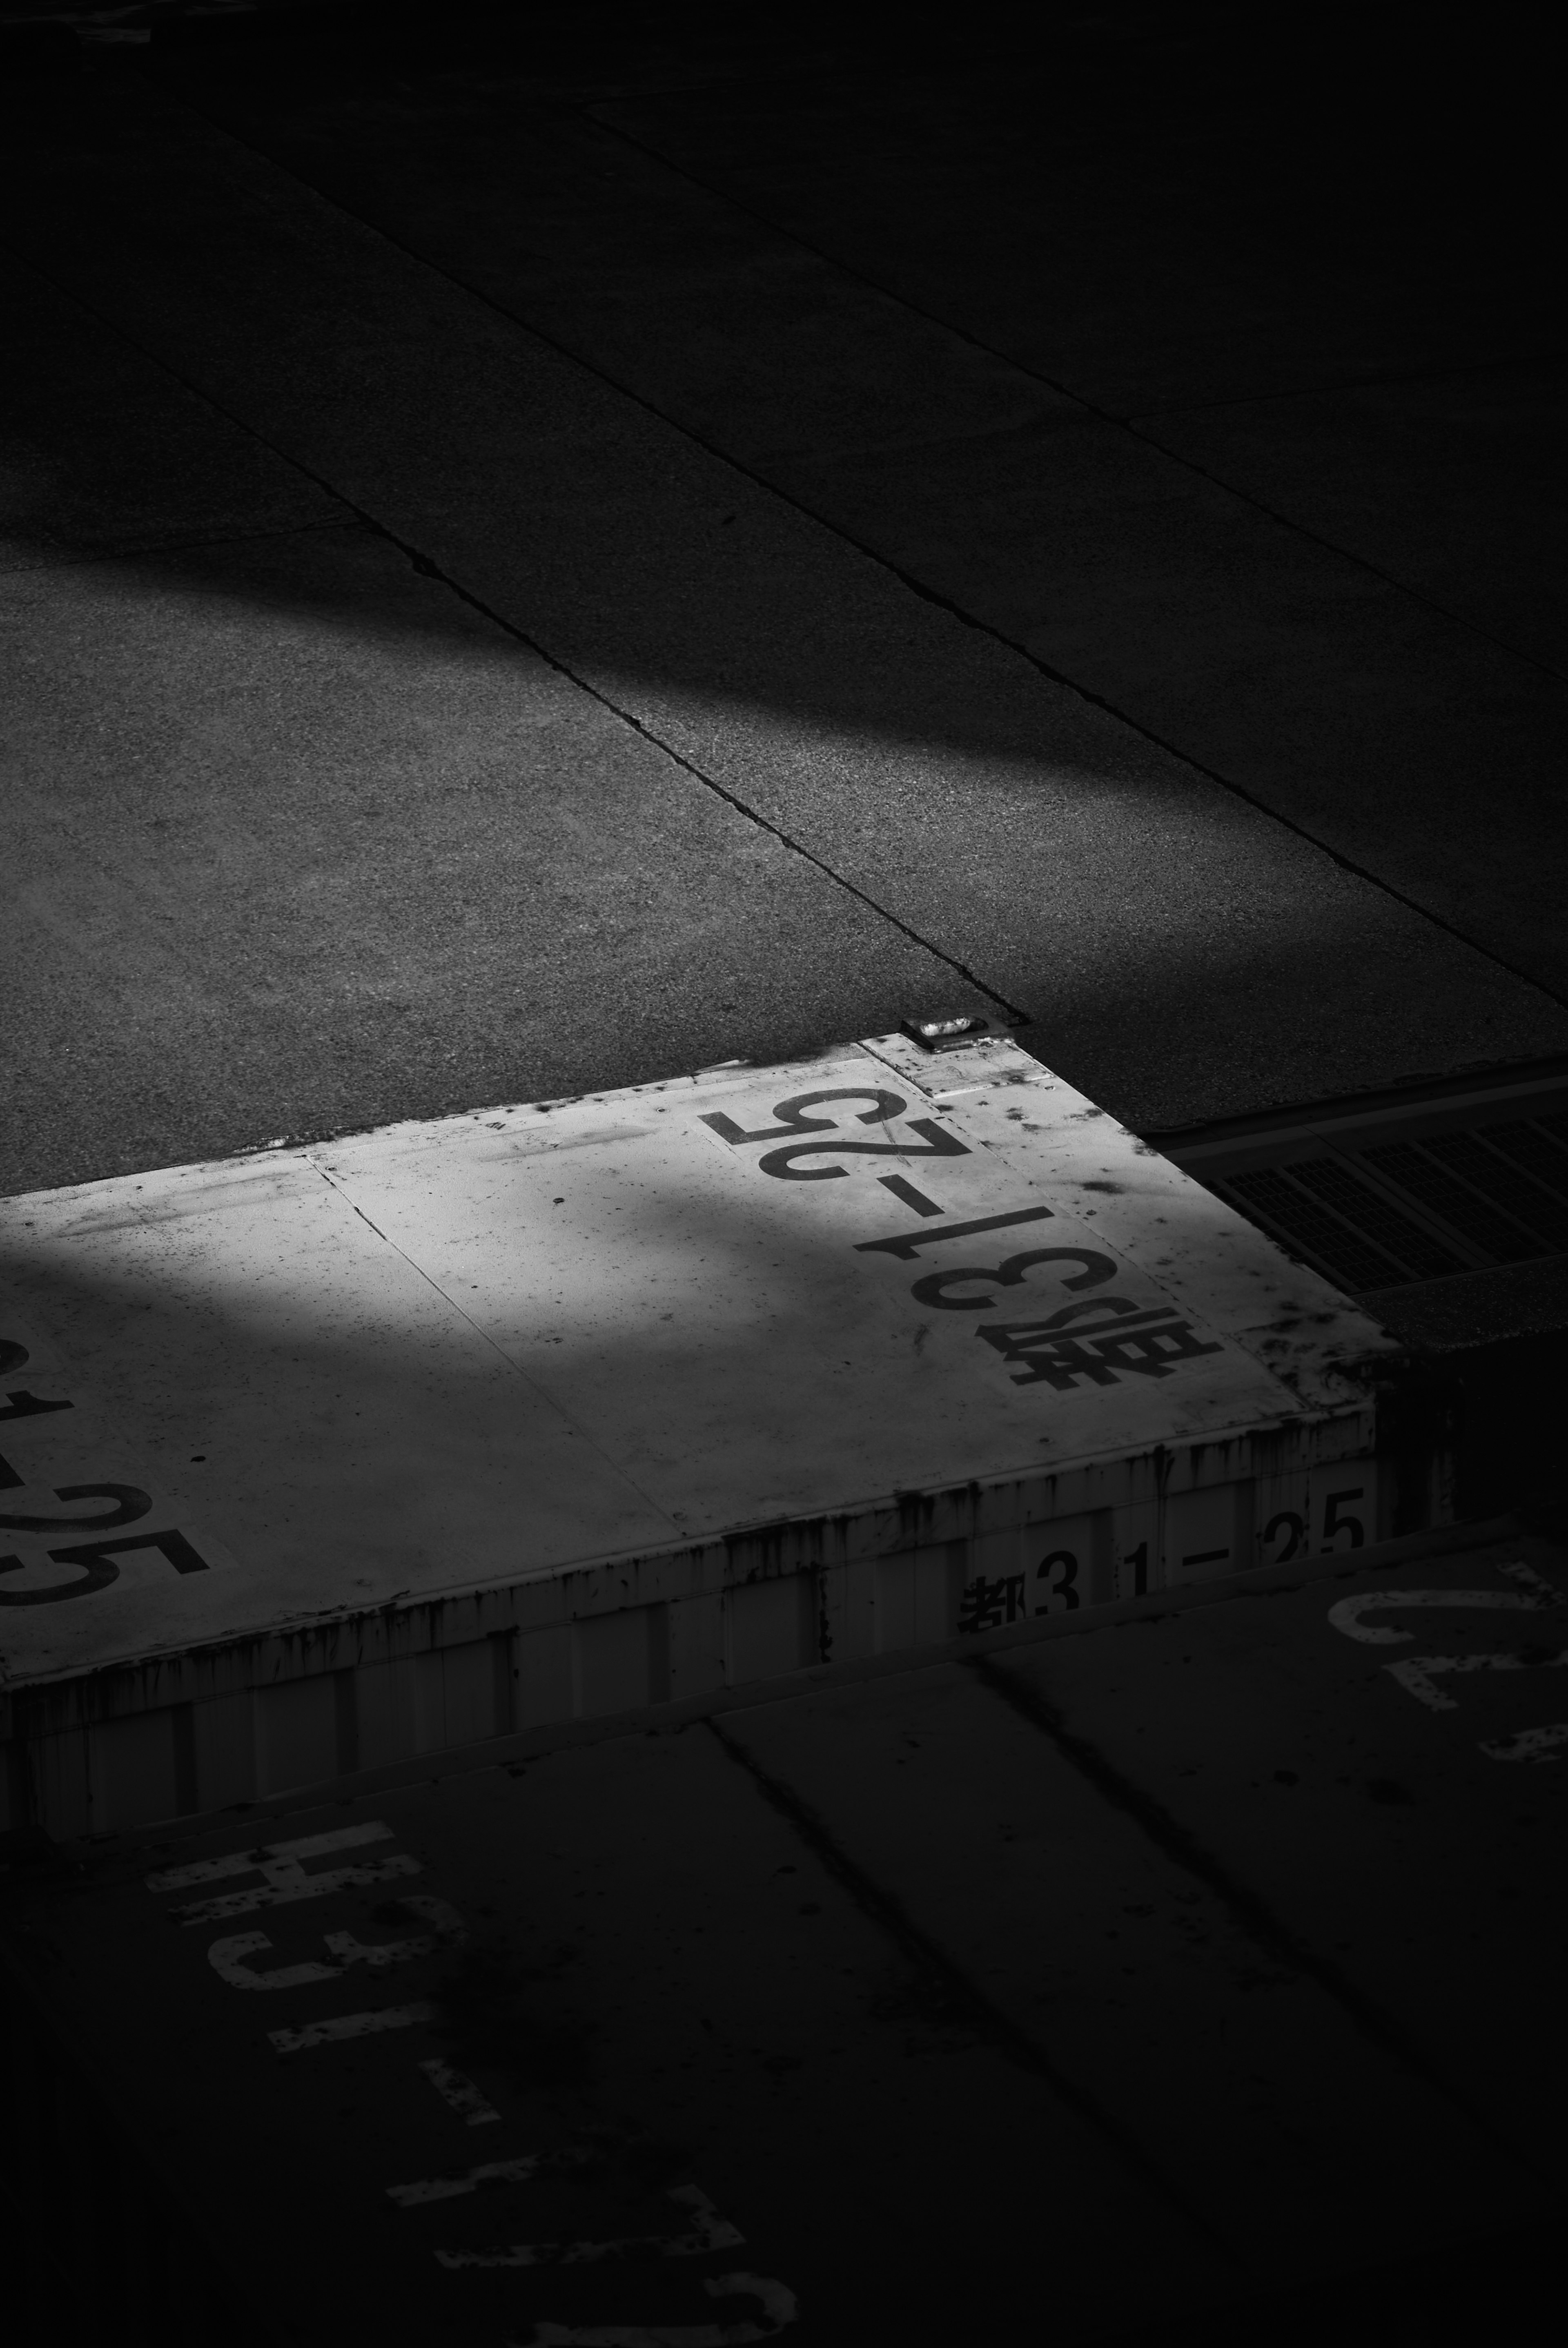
1086 693
1249 1911
1132 425
428 568
581 1426
915 586
965 2001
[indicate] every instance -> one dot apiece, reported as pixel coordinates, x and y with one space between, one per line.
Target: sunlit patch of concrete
463 1426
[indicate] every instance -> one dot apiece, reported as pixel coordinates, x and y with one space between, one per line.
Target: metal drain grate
1365 1210
1404 1190
1271 1199
1536 1207
1465 1210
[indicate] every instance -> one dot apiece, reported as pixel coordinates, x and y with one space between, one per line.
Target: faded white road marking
352 2025
780 2307
1526 1576
1347 1615
380 1955
227 1957
287 1882
1415 1673
710 2232
463 2097
240 1862
518 2171
1529 1744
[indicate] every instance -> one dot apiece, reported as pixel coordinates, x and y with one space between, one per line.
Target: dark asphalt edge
906 579
1249 1910
967 2001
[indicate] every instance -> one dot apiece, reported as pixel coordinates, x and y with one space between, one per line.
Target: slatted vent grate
1271 1199
1402 1194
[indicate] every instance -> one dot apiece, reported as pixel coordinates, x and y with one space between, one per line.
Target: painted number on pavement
97 1560
284 1874
1419 1674
1087 1341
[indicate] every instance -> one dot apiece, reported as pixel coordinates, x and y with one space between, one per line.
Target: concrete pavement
1088 1980
727 487
546 558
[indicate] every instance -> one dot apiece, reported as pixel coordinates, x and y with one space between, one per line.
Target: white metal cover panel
448 1355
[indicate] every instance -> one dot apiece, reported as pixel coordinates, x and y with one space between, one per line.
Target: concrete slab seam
454 1305
989 2024
930 596
1127 424
65 557
914 586
428 569
1248 1908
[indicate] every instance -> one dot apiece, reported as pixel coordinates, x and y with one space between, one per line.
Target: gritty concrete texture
1285 665
1335 698
1160 213
1449 486
1281 663
619 1357
316 845
102 451
1182 955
